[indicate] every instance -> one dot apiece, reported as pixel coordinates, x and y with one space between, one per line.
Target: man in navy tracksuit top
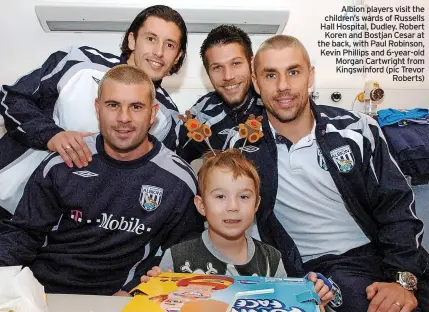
226 54
53 106
96 230
329 183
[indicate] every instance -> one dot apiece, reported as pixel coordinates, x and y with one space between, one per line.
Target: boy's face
228 204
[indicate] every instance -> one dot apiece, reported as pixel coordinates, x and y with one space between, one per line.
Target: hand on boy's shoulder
322 289
155 271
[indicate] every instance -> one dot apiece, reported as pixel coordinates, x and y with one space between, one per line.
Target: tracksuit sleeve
27 106
37 213
183 224
400 231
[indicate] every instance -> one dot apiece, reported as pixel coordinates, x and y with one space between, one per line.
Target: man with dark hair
329 183
51 108
227 55
178 48
97 230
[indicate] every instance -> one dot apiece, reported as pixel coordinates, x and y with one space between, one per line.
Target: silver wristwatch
407 280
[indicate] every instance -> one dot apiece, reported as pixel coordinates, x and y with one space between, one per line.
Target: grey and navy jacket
222 120
200 256
60 96
372 186
98 229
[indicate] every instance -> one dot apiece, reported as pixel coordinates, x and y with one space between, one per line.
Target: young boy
229 187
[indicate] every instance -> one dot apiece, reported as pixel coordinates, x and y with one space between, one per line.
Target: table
86 303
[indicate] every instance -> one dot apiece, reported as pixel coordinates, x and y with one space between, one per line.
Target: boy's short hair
231 159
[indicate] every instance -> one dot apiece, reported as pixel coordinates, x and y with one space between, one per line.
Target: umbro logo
86 174
250 149
97 81
225 131
230 132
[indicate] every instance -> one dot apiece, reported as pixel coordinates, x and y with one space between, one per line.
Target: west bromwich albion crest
150 197
343 158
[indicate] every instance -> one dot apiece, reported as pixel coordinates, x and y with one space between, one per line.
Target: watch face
409 279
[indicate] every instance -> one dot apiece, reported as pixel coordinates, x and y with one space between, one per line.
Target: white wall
31 46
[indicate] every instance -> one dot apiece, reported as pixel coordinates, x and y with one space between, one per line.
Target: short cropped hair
167 14
127 74
226 34
280 42
231 159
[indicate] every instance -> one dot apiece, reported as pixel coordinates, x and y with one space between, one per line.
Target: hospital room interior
395 97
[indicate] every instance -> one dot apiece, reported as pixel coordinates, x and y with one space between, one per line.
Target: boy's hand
321 288
152 273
